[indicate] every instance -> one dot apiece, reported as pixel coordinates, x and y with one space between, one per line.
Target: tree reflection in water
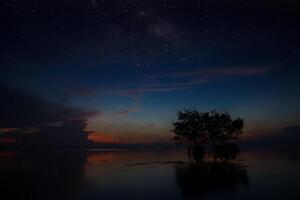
197 179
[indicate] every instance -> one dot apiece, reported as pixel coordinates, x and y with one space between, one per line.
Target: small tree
199 128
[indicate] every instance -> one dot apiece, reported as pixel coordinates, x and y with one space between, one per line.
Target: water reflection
47 175
144 175
197 179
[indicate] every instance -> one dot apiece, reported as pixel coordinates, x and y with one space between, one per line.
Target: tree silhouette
218 130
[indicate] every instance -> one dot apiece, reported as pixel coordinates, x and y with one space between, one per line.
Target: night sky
117 71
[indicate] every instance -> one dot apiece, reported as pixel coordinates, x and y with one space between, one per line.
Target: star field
128 66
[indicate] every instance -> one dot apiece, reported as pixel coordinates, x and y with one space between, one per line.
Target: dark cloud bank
39 122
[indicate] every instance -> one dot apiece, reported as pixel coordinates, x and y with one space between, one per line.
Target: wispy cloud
174 81
209 73
127 111
136 91
31 130
8 130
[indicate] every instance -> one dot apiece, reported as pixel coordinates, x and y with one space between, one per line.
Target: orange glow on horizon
101 138
96 158
126 139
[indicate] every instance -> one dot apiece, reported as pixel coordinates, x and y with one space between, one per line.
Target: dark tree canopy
210 128
215 128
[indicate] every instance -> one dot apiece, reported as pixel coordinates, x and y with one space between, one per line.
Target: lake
146 174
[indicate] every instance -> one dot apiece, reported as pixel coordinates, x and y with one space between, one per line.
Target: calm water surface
145 174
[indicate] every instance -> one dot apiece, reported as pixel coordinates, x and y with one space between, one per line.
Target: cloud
184 80
209 73
101 138
70 134
35 121
31 130
128 132
20 109
127 111
141 90
8 130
